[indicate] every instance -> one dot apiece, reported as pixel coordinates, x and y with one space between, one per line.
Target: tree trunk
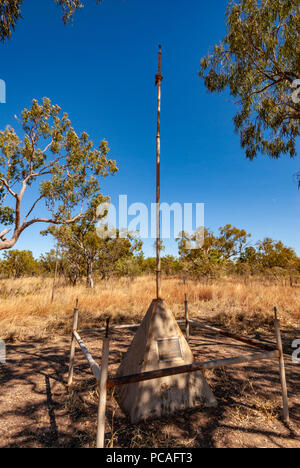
89 276
73 277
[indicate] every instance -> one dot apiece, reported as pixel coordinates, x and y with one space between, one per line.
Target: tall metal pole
158 80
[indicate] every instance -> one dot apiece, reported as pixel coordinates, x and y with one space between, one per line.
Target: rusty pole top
158 77
158 80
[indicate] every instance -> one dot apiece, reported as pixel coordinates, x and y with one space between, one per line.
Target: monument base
159 344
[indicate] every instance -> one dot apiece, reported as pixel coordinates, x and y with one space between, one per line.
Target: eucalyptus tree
258 62
10 13
79 245
18 263
205 254
232 242
272 254
86 251
58 169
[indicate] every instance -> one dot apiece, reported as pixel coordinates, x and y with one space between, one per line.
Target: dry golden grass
26 310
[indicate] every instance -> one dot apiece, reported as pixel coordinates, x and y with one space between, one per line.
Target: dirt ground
36 410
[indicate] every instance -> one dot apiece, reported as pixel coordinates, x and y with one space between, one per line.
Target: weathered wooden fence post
187 322
103 390
286 415
73 345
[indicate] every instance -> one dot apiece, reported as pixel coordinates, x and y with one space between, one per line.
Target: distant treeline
83 255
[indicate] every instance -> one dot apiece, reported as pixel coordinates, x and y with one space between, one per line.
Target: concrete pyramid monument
159 344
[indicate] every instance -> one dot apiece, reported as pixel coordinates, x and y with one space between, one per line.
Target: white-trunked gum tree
61 171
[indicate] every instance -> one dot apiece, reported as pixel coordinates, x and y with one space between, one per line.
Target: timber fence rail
264 346
196 366
93 365
243 339
105 382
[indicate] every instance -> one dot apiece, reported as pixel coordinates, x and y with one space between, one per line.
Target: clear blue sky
101 71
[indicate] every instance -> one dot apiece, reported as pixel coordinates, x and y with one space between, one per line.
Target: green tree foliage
249 255
18 263
149 265
274 259
116 251
61 170
69 7
232 241
170 265
272 254
229 252
128 266
62 264
230 244
50 260
79 244
85 251
204 261
10 13
258 61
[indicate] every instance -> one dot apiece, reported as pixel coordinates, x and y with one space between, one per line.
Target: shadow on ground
37 411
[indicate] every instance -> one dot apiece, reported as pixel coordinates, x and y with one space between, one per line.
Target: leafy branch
65 174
